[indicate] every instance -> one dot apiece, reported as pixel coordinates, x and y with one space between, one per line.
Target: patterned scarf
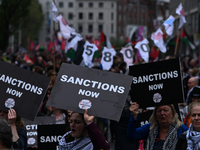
193 139
79 144
170 140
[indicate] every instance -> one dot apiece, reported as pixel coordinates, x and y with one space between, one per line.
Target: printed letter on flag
107 58
88 53
180 11
127 55
169 26
158 40
143 48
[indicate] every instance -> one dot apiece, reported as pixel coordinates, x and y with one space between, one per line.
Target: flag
50 46
143 48
54 10
65 29
102 39
154 53
169 26
180 11
31 46
63 44
37 47
140 37
127 55
158 40
186 40
27 59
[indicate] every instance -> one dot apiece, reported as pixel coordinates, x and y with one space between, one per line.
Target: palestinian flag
103 39
186 39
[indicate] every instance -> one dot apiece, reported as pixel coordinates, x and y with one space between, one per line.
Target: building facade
87 17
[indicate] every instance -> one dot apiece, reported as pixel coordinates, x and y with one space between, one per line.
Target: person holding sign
18 128
190 140
163 130
84 134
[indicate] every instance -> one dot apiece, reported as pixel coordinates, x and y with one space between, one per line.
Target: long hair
153 118
19 123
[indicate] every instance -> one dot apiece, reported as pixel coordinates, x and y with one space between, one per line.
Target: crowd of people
164 131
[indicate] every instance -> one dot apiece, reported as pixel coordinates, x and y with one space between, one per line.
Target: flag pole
177 41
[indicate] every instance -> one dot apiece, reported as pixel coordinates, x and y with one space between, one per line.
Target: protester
84 134
193 96
5 135
163 130
18 128
61 115
190 140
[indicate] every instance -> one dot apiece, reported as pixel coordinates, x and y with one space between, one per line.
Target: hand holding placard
88 119
134 109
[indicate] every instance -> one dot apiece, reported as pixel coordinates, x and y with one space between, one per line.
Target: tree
15 14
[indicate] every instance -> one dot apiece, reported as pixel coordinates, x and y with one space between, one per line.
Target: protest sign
49 135
144 118
157 83
21 90
103 93
32 128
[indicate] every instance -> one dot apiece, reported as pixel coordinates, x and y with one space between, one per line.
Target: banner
157 83
21 89
32 128
102 93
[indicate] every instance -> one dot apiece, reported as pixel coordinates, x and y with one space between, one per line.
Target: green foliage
16 13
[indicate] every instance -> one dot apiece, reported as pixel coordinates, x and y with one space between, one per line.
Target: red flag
102 39
31 46
63 43
37 47
50 46
97 43
26 58
154 53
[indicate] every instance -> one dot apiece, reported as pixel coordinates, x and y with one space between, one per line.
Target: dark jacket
182 142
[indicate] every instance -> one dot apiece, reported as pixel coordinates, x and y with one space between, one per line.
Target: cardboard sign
32 128
21 90
78 88
144 118
49 135
157 83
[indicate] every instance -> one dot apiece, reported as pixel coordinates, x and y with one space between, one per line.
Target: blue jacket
143 132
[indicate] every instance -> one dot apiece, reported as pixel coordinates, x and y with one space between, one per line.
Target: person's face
164 115
195 99
77 126
195 118
191 84
4 115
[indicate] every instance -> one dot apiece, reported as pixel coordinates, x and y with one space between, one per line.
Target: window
61 5
80 16
90 4
90 28
112 5
80 28
70 4
100 5
112 15
48 30
100 28
90 16
112 27
101 16
48 5
80 4
70 16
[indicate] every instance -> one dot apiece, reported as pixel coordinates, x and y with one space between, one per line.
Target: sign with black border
103 93
21 89
157 83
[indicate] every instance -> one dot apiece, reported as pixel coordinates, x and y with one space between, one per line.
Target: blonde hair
193 104
153 119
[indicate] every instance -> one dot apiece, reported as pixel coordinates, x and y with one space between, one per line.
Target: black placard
32 128
157 83
144 118
49 135
21 90
103 93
